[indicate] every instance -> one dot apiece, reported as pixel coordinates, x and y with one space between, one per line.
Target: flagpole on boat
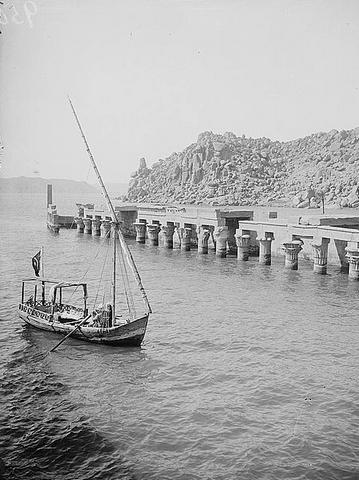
42 262
117 231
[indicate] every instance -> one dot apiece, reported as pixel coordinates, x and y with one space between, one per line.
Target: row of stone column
293 248
219 235
291 252
93 226
185 234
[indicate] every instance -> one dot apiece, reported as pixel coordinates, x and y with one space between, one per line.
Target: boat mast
117 231
42 274
114 276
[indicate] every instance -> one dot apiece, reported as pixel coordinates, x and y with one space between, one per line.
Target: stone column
152 232
211 240
353 260
243 244
320 256
221 236
203 237
168 231
291 250
106 228
88 224
96 227
265 253
140 232
80 224
185 234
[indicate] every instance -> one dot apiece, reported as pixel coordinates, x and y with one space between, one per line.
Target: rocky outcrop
230 170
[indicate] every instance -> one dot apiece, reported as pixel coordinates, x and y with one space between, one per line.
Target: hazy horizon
147 77
92 183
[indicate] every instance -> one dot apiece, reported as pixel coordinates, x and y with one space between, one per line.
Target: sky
147 76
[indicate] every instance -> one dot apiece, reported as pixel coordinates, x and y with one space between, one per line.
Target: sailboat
46 307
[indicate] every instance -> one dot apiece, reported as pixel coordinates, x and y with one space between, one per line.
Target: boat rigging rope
86 272
126 285
101 276
124 280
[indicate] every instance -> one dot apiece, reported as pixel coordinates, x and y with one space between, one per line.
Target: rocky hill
230 170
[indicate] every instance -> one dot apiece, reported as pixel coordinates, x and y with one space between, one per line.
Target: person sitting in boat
97 315
102 316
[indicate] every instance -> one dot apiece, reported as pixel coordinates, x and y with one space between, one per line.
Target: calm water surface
246 372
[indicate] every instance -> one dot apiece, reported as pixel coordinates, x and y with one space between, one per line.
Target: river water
246 372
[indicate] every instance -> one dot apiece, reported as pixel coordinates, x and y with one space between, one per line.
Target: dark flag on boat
36 263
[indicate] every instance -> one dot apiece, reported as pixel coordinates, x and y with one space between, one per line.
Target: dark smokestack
49 195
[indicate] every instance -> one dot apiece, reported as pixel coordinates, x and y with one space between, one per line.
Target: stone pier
243 245
80 224
291 250
140 232
153 231
106 228
265 250
320 255
353 260
88 225
168 231
185 234
203 237
221 236
96 227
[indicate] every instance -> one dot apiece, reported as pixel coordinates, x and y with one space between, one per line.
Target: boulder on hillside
353 198
303 204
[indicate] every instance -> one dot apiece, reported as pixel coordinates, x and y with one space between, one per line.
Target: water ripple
246 372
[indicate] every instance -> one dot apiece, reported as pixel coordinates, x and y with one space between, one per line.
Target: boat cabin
52 300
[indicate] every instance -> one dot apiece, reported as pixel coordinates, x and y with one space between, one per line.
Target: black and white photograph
179 240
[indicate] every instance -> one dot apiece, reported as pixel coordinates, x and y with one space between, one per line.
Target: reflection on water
246 371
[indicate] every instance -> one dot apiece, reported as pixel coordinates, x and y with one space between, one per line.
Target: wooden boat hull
127 335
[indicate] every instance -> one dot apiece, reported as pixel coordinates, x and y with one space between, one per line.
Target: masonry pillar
88 225
140 228
203 237
106 228
185 234
152 232
80 224
320 256
291 250
221 236
243 244
168 231
353 260
96 227
265 250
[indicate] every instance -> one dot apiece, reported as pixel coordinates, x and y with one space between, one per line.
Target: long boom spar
109 203
113 212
